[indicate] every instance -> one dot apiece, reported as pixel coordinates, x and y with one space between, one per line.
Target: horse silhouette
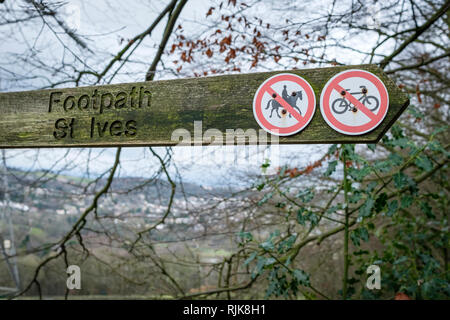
291 99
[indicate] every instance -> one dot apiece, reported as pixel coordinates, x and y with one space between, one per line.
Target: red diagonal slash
284 104
356 102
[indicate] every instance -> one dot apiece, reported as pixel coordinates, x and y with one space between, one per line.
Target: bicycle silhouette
341 105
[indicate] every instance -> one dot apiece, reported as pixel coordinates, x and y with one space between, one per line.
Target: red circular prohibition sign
375 119
302 120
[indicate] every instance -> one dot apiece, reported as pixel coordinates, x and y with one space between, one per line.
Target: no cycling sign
353 102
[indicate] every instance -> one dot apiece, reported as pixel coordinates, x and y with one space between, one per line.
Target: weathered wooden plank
147 113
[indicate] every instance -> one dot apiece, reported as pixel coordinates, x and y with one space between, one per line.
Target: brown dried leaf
210 11
209 53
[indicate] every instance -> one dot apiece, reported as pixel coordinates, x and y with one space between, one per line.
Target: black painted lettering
83 102
116 128
137 97
131 128
60 128
70 100
94 100
54 99
92 126
102 129
140 96
133 96
121 100
149 97
106 97
71 127
143 92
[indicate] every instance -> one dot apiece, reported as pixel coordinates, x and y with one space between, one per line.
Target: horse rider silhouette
284 94
291 99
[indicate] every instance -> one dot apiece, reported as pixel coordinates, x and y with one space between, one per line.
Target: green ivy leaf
331 168
259 267
358 234
371 146
300 217
383 166
400 180
349 149
400 260
359 174
250 259
265 198
355 197
354 236
268 244
332 149
261 186
371 186
424 163
333 209
245 236
287 244
440 129
302 277
426 208
364 234
360 253
306 195
313 218
381 201
266 164
415 112
280 205
392 208
397 131
394 160
366 208
406 201
437 147
401 142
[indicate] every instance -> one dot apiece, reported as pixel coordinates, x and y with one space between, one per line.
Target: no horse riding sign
284 104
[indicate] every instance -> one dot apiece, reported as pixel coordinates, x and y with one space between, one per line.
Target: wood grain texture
221 102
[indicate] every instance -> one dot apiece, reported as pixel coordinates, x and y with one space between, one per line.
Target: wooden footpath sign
350 104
